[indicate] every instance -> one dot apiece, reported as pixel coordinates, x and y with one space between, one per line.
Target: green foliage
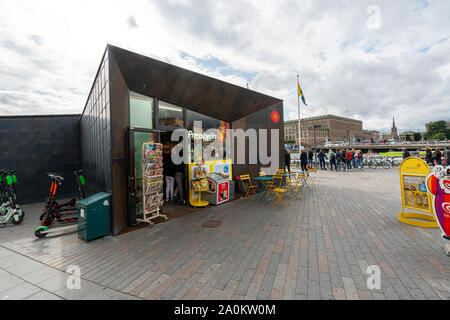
417 136
439 136
436 128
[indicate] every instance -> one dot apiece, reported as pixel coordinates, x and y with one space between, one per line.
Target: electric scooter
65 213
10 210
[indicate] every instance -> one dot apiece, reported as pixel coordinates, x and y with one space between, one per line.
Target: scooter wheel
39 233
17 222
47 222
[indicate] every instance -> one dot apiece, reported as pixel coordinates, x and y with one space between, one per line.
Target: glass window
141 111
170 115
208 123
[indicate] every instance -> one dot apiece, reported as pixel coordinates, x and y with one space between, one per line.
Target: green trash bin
93 216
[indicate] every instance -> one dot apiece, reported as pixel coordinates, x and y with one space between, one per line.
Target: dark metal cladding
96 134
35 145
188 89
120 121
260 120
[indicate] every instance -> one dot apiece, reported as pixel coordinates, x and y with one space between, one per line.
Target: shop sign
202 136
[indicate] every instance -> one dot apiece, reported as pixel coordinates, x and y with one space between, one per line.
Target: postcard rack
152 182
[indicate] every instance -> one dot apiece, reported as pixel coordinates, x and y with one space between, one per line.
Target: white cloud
50 51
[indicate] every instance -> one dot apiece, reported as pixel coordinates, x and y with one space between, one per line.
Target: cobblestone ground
317 248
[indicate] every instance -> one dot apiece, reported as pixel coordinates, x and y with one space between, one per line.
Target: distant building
371 134
318 130
404 136
394 131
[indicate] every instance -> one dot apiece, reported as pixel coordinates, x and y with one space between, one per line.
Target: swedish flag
300 93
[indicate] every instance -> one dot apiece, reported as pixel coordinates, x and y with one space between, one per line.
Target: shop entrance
136 139
179 206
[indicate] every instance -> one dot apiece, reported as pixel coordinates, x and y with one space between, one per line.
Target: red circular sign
275 116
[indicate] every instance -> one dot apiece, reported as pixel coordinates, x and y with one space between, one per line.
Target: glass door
137 137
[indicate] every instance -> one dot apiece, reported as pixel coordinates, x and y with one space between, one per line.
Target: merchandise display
152 182
199 184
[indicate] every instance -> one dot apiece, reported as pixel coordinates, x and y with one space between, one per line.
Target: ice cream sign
438 184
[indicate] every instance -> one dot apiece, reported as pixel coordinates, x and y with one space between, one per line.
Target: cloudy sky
371 60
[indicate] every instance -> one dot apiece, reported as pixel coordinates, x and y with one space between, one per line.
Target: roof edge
201 74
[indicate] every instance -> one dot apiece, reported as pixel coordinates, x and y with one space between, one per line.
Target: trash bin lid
95 198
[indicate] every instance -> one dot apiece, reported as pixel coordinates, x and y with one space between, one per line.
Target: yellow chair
312 176
279 191
262 174
281 171
296 184
249 187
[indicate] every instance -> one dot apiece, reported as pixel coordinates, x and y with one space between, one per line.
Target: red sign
223 192
275 116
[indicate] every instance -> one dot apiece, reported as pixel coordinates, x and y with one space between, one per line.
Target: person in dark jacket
406 153
438 157
332 156
287 160
169 172
338 159
310 158
429 157
304 160
179 178
322 156
447 155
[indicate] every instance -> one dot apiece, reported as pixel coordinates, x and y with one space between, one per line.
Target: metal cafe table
306 178
262 183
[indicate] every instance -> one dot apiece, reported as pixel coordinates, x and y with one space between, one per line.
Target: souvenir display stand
152 182
199 184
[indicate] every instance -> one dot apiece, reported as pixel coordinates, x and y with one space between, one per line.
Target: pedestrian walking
429 156
438 156
304 160
348 159
359 159
180 178
168 172
332 157
354 158
447 156
406 153
287 160
322 156
310 158
344 159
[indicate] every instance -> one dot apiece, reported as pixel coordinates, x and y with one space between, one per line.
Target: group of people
345 159
430 157
173 174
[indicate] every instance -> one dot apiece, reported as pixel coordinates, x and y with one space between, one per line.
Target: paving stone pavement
318 247
22 278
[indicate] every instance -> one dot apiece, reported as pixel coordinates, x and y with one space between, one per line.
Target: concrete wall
35 145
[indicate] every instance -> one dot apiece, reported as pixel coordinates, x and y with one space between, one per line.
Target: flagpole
299 119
